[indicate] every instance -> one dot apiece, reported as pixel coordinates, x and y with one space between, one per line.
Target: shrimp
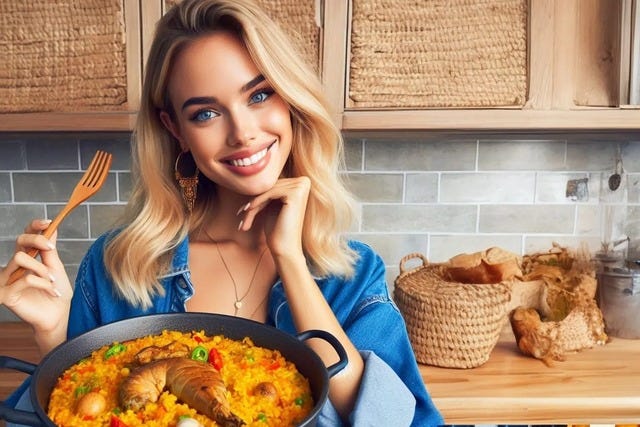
197 384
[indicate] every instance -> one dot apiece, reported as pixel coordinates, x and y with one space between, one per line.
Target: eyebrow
199 100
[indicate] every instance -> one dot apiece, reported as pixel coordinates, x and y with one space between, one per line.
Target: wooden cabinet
575 71
70 66
574 74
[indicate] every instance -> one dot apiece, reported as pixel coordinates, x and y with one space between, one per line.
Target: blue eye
203 115
260 96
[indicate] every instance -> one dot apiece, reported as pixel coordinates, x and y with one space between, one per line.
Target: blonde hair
156 221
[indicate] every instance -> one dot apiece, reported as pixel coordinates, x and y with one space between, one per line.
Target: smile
251 160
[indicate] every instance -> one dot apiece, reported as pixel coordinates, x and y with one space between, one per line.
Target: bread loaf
493 265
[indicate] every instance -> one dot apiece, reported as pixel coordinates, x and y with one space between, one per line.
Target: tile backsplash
439 194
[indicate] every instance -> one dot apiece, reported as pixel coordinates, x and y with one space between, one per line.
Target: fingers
37 274
292 192
37 226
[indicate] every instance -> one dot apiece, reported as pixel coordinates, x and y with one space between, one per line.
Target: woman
236 160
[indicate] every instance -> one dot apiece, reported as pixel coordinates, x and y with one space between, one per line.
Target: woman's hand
42 296
283 209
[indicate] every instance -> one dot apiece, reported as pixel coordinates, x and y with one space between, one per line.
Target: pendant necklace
239 301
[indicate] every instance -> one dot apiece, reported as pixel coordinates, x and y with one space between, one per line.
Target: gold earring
188 184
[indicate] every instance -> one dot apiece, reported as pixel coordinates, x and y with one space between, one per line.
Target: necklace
239 301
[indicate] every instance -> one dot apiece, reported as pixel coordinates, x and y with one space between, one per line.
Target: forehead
211 65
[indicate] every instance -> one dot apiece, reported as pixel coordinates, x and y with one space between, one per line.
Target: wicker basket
438 54
451 325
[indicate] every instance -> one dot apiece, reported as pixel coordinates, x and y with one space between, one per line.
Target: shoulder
369 266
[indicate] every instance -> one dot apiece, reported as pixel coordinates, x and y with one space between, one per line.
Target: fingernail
243 208
50 245
57 292
240 225
52 278
45 221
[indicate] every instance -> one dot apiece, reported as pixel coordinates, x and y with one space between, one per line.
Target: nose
243 128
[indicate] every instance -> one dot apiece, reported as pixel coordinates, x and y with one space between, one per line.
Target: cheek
279 119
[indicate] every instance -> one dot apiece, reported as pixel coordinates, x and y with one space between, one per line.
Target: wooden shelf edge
492 119
35 122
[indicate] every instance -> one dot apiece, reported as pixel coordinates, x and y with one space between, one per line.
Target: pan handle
333 341
15 415
8 362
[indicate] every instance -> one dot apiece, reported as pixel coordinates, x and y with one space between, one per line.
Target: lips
246 164
249 160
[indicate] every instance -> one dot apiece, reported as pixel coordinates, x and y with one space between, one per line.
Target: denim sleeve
392 384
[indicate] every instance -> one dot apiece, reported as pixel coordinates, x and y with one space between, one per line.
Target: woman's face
237 128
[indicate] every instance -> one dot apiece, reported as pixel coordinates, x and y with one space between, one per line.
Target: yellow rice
244 366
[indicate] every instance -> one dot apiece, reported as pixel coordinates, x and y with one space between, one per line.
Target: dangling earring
188 184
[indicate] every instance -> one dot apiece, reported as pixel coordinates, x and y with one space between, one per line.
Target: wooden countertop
597 385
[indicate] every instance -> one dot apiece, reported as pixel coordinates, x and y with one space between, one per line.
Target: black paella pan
45 374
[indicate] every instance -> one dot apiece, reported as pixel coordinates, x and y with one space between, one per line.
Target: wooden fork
88 185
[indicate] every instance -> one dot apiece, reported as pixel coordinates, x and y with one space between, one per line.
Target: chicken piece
153 352
195 383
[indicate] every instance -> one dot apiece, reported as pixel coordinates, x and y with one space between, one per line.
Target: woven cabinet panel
297 20
67 55
438 53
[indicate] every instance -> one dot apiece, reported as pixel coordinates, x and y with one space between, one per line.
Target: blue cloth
392 391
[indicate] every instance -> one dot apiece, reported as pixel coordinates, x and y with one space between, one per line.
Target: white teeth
248 161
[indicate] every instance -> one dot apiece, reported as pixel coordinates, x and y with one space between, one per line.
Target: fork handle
33 252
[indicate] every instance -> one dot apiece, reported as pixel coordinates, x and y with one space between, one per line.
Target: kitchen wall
438 194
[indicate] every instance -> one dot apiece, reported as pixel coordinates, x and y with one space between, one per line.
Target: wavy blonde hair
156 221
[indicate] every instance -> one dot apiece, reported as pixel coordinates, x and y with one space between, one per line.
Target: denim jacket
392 392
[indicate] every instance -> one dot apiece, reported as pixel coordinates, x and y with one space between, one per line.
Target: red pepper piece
215 359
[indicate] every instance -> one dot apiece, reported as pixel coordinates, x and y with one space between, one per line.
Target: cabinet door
71 58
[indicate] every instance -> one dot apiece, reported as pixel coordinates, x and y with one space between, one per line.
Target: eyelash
266 92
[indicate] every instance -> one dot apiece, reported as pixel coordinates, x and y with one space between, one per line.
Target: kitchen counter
597 385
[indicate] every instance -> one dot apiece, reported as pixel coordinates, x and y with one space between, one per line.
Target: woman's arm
42 296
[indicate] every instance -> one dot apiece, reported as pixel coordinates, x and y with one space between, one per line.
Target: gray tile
552 187
421 188
7 248
52 151
7 315
445 246
487 187
554 219
5 187
371 187
353 154
591 156
633 188
72 251
56 187
588 220
419 218
393 247
16 217
631 156
12 154
116 143
76 223
103 218
419 155
521 155
124 186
